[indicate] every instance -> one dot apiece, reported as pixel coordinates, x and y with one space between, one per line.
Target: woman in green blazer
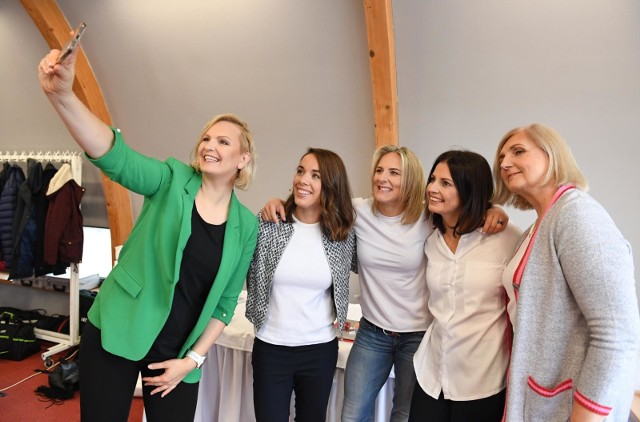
179 273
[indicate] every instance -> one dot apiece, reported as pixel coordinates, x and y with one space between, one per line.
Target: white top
301 310
507 277
391 268
465 352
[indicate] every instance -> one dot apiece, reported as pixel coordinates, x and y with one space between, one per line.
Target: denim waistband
389 332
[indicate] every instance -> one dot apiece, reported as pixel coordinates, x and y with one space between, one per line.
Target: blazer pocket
548 403
126 281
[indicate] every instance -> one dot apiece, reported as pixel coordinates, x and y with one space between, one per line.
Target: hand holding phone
72 43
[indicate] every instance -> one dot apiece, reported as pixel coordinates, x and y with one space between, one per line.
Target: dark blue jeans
280 370
372 356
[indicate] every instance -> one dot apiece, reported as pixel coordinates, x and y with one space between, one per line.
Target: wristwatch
199 360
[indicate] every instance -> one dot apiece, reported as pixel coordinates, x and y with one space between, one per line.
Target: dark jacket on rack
13 177
3 174
24 222
41 207
63 235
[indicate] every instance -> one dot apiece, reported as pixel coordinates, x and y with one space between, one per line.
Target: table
226 387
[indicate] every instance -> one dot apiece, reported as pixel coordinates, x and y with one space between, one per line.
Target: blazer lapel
230 250
188 202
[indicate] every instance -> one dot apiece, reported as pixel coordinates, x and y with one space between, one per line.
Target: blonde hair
412 183
245 174
562 167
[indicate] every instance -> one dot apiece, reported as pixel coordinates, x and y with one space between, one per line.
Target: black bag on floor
64 381
17 339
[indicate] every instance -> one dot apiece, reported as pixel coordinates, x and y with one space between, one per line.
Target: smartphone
72 43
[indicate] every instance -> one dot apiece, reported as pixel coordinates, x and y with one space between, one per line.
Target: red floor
20 402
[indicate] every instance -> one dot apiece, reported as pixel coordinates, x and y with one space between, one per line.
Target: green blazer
135 299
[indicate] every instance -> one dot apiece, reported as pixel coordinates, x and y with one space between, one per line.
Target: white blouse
509 273
465 352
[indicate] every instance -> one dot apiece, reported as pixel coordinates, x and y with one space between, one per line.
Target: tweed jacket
272 241
135 300
577 328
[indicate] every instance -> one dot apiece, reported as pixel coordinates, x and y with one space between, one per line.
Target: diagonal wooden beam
55 29
382 54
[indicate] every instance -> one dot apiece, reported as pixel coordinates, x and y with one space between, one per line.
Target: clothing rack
73 158
63 341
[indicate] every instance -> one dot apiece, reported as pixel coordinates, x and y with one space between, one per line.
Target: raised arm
56 80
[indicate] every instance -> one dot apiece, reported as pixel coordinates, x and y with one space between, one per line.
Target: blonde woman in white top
462 361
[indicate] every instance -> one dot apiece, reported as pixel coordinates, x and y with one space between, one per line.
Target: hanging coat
3 174
41 206
24 222
13 177
63 236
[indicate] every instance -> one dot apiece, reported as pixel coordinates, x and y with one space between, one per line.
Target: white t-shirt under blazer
301 310
465 351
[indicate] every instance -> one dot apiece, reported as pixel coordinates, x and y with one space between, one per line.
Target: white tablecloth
226 387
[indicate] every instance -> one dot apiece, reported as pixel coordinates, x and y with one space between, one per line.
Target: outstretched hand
174 372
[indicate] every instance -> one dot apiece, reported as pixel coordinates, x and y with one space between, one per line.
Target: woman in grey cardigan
576 328
298 284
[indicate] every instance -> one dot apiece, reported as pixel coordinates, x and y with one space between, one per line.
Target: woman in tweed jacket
298 284
576 326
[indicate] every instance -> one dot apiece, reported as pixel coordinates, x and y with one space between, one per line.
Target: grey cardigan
577 327
272 241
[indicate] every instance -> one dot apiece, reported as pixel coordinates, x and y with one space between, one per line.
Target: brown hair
472 178
337 214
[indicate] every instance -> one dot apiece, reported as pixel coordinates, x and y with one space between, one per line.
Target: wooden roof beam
382 61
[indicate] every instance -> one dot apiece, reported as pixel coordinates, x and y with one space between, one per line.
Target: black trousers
425 407
107 383
279 370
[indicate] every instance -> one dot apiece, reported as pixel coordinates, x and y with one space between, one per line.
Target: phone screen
72 43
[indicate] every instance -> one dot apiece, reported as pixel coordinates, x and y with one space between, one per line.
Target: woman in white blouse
462 361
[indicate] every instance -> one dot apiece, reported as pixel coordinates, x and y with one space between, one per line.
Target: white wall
298 72
470 71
